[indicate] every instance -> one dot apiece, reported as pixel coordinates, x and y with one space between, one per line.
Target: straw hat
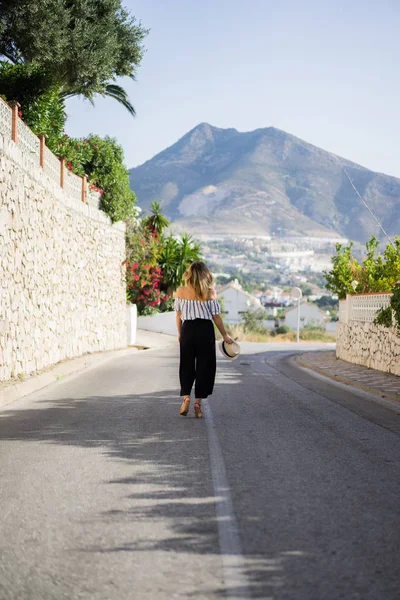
230 351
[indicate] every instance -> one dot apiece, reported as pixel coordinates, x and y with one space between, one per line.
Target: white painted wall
159 323
131 322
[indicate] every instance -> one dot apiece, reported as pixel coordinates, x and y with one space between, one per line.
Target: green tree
82 46
345 270
306 289
41 107
377 273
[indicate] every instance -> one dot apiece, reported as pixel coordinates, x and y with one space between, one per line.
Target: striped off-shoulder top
197 309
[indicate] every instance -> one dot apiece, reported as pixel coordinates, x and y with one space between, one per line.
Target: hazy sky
327 71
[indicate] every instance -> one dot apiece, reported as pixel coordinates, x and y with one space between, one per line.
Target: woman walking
197 307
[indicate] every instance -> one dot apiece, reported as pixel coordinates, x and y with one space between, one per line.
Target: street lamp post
298 312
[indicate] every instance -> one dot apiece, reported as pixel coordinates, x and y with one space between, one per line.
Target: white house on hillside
309 315
236 301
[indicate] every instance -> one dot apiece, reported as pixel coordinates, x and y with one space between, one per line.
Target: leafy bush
385 315
171 255
377 273
316 336
253 321
344 271
102 160
143 287
282 329
41 107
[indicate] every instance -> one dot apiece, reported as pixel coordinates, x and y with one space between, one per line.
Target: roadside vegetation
310 333
56 50
252 330
156 261
377 272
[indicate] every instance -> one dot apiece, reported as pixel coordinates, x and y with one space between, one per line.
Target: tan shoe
198 413
185 406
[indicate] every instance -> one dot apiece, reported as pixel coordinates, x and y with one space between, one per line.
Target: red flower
136 277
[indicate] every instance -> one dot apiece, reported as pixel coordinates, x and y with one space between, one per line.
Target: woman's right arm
178 314
217 318
178 323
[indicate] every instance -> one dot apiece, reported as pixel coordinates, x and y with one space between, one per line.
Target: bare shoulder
212 295
184 292
180 292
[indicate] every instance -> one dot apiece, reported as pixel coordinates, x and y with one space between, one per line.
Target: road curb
18 389
345 380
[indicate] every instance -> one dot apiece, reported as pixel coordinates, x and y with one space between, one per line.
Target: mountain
223 181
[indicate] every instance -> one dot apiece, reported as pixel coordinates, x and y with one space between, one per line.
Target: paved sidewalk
369 380
152 340
13 390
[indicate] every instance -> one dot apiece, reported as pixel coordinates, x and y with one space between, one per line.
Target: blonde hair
199 278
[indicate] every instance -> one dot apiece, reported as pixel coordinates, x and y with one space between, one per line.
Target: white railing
362 307
35 150
51 166
28 142
73 185
5 119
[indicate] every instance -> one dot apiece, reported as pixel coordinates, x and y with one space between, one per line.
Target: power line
367 207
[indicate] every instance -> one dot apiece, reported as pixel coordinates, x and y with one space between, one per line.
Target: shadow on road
169 480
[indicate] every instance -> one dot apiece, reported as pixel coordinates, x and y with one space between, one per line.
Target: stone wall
373 346
62 290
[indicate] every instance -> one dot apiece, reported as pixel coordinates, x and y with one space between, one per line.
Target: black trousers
197 357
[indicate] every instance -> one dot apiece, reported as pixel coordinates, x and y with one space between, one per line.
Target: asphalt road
288 489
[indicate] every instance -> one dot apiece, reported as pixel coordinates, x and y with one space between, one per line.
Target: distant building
309 315
236 301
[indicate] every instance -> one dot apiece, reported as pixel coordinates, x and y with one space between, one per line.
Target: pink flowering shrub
143 287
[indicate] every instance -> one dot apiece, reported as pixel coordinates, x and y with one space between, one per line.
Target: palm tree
176 255
189 251
157 222
110 90
168 259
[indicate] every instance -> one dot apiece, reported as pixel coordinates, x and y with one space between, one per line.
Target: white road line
228 532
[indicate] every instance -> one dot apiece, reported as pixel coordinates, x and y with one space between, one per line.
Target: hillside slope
224 181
